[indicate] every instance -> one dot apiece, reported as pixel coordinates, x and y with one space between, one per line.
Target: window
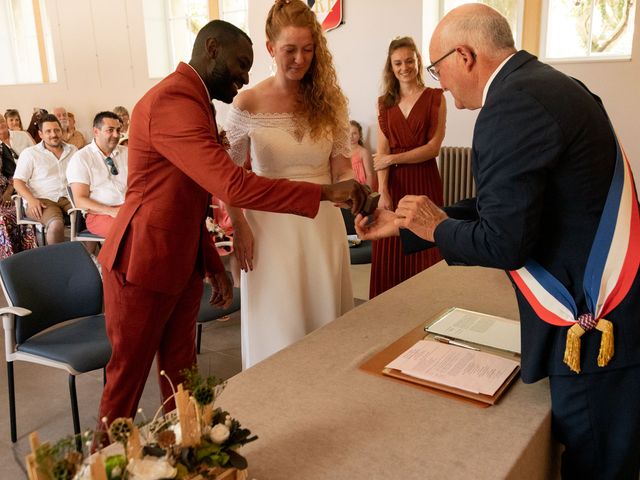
25 43
579 29
511 9
171 27
236 12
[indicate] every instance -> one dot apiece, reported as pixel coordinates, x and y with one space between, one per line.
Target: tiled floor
42 395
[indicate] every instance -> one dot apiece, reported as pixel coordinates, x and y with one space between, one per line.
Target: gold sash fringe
572 348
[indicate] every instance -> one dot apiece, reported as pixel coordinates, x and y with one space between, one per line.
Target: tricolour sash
610 271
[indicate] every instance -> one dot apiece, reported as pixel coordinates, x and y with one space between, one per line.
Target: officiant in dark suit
545 159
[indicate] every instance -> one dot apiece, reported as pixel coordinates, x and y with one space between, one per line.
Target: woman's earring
273 68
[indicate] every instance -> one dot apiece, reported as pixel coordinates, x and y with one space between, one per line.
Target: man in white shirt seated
98 174
40 178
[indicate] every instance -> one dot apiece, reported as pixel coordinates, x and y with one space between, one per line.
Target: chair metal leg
12 402
198 337
74 404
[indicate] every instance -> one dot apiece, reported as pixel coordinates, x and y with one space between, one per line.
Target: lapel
193 78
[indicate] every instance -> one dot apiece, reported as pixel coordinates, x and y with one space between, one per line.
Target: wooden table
319 417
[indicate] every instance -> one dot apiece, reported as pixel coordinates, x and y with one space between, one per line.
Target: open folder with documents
472 371
478 328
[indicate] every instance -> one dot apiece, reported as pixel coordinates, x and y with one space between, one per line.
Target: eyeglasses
432 68
112 166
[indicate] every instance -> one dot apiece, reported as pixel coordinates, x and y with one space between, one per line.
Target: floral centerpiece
195 442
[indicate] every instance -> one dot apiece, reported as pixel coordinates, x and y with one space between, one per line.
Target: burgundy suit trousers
140 324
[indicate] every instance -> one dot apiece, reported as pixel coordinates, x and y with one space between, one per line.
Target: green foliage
63 470
612 14
116 466
206 387
61 460
203 394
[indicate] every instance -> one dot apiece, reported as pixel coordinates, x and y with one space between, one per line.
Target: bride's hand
243 245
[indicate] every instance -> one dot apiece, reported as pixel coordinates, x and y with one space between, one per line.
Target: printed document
480 328
469 370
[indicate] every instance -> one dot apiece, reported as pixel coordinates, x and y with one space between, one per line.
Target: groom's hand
349 193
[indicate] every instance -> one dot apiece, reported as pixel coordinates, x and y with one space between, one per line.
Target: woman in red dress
411 126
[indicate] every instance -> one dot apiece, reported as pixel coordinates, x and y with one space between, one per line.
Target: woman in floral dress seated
13 237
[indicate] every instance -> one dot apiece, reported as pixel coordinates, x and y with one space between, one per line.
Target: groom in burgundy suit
159 249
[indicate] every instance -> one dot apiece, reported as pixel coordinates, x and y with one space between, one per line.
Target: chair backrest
56 282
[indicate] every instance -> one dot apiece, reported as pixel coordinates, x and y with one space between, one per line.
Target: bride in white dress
293 125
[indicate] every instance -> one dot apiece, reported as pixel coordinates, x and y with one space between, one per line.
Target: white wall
101 62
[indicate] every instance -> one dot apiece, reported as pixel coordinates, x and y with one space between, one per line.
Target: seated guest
14 140
41 179
98 174
12 116
13 238
123 113
32 129
69 135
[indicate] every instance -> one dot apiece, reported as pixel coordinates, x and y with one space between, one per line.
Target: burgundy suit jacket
159 237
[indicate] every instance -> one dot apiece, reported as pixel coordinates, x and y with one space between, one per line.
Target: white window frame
223 12
169 58
433 11
46 60
582 59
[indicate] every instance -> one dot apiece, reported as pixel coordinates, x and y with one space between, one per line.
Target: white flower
219 433
151 468
227 421
178 432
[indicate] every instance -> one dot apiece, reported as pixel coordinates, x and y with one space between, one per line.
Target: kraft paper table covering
318 416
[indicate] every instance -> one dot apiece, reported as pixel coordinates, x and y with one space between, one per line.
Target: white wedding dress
301 278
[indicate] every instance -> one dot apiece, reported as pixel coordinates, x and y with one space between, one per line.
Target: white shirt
88 166
493 75
43 172
20 140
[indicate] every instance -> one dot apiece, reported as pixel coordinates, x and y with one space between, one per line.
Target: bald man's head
477 25
467 46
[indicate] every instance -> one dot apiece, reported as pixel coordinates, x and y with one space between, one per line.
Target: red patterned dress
389 265
14 238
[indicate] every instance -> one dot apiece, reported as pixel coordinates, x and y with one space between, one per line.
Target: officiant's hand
381 224
221 290
420 215
348 193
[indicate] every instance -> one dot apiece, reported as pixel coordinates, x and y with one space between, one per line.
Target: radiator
455 169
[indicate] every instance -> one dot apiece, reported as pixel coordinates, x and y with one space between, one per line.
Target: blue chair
54 317
208 313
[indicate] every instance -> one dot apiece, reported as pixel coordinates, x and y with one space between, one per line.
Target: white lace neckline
247 113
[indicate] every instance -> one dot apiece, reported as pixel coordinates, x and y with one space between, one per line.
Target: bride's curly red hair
322 103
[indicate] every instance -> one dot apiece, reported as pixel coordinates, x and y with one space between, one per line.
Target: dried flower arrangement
195 442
